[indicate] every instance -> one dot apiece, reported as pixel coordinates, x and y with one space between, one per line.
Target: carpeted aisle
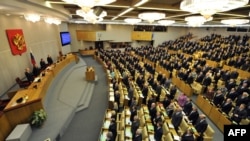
86 124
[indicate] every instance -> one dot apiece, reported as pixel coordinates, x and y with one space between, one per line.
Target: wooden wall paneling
141 36
86 35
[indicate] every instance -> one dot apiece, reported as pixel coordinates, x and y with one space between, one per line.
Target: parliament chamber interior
120 82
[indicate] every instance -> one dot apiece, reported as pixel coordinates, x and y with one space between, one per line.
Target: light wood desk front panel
17 113
5 127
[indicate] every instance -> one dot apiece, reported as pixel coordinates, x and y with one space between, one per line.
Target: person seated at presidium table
29 75
36 70
43 64
49 60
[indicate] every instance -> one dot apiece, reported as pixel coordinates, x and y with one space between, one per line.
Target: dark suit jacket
138 138
207 81
226 108
187 108
158 134
241 114
201 126
193 117
112 128
218 99
152 113
29 76
135 125
176 119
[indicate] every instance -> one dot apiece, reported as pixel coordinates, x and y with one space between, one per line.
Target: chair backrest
18 80
165 128
184 125
168 137
142 121
144 133
209 131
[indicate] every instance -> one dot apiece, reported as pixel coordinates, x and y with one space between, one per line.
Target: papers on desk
37 79
176 138
170 125
111 89
128 112
111 98
141 96
151 137
111 93
106 124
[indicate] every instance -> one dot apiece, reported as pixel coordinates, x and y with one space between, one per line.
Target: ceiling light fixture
151 16
166 22
132 20
234 22
50 20
207 8
86 5
91 16
32 17
195 20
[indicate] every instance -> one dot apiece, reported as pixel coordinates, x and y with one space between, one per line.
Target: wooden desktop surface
33 96
217 117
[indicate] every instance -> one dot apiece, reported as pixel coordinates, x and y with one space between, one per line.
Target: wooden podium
90 74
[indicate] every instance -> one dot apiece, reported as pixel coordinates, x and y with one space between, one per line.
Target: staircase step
86 101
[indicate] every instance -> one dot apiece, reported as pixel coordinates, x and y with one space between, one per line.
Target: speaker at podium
90 74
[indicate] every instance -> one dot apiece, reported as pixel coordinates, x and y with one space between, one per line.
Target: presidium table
26 101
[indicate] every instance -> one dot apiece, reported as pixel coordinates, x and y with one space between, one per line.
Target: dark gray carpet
86 125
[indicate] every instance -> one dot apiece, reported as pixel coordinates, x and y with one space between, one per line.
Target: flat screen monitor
65 38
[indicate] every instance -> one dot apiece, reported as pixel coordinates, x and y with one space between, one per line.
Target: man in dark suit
232 94
36 70
193 116
177 118
135 125
201 125
43 64
187 108
152 111
158 132
166 101
227 106
218 98
206 81
200 77
29 75
112 128
145 93
239 113
242 99
49 60
138 135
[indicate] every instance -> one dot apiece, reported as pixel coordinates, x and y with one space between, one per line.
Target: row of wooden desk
216 116
31 98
